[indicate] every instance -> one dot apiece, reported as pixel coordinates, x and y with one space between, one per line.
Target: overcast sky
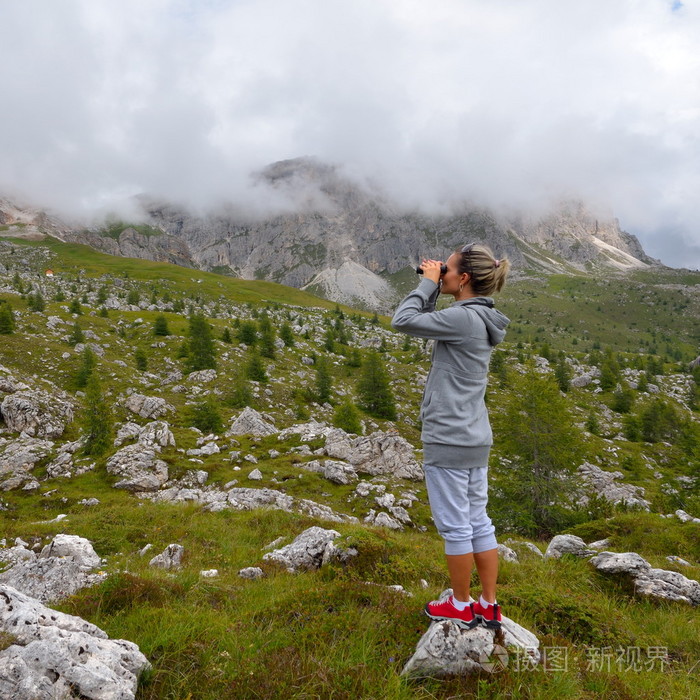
502 102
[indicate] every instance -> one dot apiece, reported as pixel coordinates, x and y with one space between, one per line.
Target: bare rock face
378 453
447 649
60 657
36 413
147 406
606 485
310 550
250 422
138 468
648 581
58 571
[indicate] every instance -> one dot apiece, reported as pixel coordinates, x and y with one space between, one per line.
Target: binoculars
443 269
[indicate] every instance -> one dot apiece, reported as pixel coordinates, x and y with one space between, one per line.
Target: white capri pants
458 500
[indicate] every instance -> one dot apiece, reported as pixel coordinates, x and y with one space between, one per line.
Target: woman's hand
431 270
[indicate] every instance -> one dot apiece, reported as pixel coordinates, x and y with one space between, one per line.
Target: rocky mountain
347 243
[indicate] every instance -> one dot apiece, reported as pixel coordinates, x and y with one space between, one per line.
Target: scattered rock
446 649
169 558
138 468
55 655
648 581
507 554
209 573
250 422
567 544
337 472
251 572
147 406
310 550
605 484
36 413
256 475
18 457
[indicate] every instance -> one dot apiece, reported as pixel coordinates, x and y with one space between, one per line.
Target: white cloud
497 101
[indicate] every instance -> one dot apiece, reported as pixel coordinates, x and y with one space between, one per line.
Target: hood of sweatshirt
495 321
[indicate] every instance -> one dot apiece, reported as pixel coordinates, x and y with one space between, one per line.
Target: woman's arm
416 315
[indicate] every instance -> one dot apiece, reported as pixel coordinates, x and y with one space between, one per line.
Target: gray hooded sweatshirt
456 431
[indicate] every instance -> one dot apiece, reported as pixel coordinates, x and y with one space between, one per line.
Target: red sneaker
445 610
489 617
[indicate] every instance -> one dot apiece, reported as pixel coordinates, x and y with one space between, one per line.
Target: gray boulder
56 656
251 572
138 468
250 422
310 550
36 413
447 649
375 454
648 581
567 544
147 406
333 470
169 558
18 457
61 568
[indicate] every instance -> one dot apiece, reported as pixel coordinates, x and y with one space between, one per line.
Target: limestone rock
250 422
169 558
648 581
447 649
333 470
507 554
59 570
310 550
138 468
58 656
147 406
567 544
251 572
605 484
36 413
202 376
18 457
522 544
378 453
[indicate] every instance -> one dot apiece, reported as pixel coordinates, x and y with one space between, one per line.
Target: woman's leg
483 537
487 566
460 567
449 505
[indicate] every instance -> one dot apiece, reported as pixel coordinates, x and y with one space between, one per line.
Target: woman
456 432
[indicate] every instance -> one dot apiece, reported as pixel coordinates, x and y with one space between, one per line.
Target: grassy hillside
326 633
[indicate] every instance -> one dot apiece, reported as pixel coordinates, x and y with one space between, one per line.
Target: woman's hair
487 274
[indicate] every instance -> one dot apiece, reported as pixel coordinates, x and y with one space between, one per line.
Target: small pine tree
248 333
206 416
623 398
354 358
7 321
87 366
632 427
562 373
133 297
374 390
17 283
287 335
267 341
329 341
104 313
241 396
76 335
347 417
97 420
255 368
59 296
141 359
226 336
160 325
643 383
36 302
75 307
592 424
102 295
201 344
323 381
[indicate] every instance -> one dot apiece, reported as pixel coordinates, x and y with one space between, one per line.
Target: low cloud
499 103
